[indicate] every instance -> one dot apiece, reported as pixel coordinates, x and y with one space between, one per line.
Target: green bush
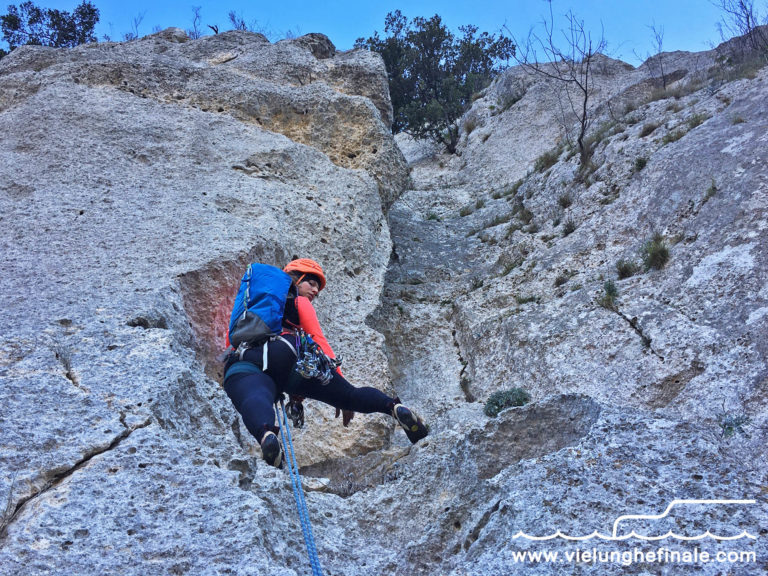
525 215
640 163
30 24
546 160
697 120
569 226
655 252
526 299
562 278
626 268
673 136
711 191
608 299
504 399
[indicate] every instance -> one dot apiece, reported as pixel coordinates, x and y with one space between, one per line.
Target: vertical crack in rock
635 325
475 532
9 516
464 381
64 356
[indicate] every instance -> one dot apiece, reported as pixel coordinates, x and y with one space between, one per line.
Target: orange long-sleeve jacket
311 325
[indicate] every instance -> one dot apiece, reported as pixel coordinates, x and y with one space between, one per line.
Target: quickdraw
312 361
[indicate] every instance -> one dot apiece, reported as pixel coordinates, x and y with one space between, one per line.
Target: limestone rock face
137 181
338 104
518 259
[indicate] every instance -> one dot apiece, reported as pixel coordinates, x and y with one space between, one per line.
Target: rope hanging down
298 492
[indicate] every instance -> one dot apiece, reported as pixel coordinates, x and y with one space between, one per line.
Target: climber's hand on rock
347 416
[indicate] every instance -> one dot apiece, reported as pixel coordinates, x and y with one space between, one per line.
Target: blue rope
298 493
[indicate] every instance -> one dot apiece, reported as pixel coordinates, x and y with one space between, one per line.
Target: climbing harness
298 492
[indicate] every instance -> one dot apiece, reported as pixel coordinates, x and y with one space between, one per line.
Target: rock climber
254 390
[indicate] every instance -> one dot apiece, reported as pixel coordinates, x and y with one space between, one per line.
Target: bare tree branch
570 66
742 19
195 31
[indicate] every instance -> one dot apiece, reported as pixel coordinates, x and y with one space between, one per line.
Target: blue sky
687 24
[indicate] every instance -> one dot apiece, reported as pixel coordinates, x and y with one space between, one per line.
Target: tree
571 67
195 31
395 52
29 24
740 18
135 23
656 61
237 21
433 74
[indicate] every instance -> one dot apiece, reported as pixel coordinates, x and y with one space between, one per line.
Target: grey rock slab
136 182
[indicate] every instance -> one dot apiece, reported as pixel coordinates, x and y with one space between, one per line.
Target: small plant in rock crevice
655 252
469 125
673 136
711 191
526 299
511 265
546 160
565 200
502 399
731 423
514 188
608 299
627 268
562 278
569 226
697 120
648 129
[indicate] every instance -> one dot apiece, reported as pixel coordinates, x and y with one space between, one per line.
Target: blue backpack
259 305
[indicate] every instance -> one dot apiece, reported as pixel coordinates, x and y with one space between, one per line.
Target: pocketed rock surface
136 182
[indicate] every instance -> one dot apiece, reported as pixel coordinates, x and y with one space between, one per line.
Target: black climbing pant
254 393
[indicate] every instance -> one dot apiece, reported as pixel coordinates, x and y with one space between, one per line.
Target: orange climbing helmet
306 266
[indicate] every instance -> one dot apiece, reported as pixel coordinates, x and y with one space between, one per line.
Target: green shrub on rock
655 252
504 399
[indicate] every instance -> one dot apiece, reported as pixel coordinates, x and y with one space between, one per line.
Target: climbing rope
298 492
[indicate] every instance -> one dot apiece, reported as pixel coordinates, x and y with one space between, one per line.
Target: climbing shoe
414 427
271 450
